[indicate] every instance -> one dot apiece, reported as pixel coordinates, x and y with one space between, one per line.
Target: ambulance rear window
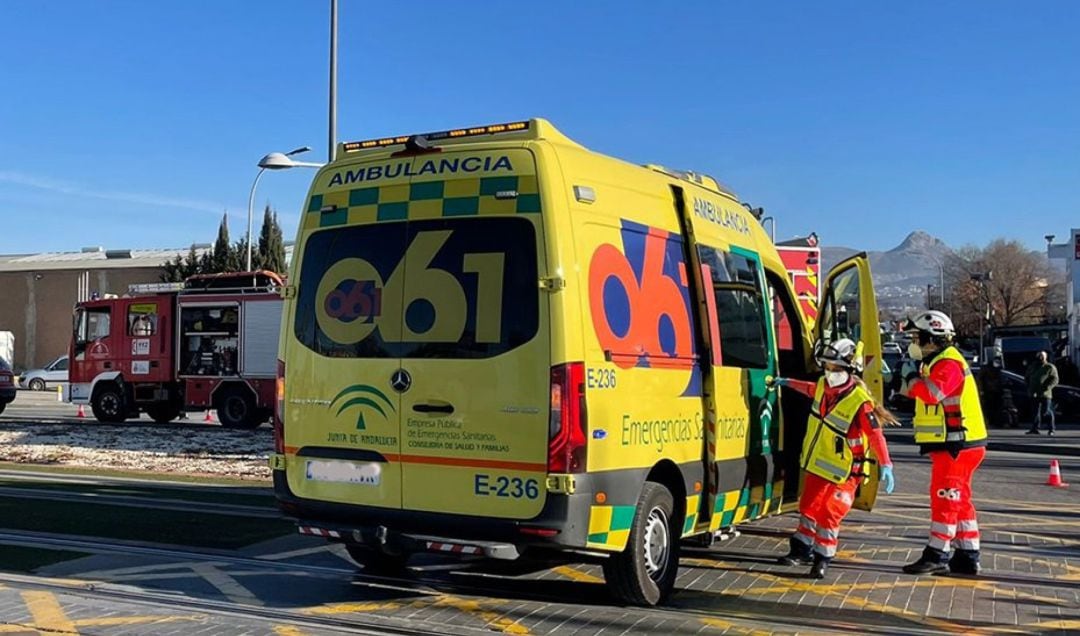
438 288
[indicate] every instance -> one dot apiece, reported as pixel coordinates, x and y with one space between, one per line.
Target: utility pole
332 149
928 288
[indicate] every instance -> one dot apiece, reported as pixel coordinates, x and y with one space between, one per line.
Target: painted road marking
226 584
46 612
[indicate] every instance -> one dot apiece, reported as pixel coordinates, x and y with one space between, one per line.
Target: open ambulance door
849 310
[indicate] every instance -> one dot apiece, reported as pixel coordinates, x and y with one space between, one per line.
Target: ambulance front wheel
644 573
376 561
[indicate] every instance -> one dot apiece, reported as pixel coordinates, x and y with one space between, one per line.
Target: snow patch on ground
160 449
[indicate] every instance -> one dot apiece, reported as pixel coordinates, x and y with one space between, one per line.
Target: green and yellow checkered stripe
609 526
736 506
425 200
693 503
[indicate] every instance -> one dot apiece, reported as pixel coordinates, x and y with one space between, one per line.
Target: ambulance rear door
475 345
849 310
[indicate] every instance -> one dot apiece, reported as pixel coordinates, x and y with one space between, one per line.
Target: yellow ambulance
498 343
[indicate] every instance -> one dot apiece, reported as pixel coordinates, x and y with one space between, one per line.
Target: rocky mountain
913 262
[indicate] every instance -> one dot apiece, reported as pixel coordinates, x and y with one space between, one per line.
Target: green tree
183 266
223 257
271 253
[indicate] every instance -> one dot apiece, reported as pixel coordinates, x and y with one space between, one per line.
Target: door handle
444 409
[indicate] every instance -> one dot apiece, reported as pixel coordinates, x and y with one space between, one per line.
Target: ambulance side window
740 308
841 309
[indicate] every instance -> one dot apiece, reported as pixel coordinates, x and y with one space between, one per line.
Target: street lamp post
272 161
982 278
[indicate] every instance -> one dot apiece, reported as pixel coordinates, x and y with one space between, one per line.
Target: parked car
1066 398
52 374
891 347
7 384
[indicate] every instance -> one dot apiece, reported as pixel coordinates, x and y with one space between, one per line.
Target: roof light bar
458 133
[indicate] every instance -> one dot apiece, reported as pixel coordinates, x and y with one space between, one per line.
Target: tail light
279 409
567 440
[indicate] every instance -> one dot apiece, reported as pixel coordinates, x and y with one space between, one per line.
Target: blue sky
135 124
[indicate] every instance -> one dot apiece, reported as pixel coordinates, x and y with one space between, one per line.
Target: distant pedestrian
1042 377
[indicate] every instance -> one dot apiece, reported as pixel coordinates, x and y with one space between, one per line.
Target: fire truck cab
166 348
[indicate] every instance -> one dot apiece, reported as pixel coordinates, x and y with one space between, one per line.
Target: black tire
235 408
37 384
108 404
644 573
376 561
163 413
3 405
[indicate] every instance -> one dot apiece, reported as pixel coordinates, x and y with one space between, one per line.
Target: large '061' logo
640 301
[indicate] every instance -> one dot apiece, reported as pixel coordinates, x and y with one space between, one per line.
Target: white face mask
915 351
836 378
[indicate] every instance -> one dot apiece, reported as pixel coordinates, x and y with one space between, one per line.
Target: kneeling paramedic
949 427
843 421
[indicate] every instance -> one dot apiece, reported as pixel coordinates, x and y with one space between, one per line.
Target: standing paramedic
843 421
949 427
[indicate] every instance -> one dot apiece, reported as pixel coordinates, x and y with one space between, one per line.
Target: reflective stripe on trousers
967 535
806 530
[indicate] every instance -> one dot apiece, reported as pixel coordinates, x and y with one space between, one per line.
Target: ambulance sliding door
740 411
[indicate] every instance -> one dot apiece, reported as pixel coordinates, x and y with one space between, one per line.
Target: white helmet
842 353
933 322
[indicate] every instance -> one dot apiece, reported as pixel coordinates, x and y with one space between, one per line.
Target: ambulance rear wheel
108 404
236 408
644 573
377 561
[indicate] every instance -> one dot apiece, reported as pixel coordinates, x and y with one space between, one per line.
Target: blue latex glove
887 479
780 382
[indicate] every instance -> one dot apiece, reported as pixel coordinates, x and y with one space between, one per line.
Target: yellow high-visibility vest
940 423
826 450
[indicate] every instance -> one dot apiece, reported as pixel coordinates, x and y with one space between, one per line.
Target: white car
52 374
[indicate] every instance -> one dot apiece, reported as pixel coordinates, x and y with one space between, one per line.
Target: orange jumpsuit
953 464
824 504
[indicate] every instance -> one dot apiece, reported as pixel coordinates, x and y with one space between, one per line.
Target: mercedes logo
401 381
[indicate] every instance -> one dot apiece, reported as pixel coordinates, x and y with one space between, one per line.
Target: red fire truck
166 348
802 258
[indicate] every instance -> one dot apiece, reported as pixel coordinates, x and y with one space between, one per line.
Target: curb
1062 450
1035 449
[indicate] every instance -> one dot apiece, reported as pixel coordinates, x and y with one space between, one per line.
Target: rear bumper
7 394
568 514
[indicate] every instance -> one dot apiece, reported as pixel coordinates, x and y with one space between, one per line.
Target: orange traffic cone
208 418
80 413
1055 475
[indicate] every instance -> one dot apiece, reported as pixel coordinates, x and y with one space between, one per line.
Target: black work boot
798 553
965 562
820 567
932 561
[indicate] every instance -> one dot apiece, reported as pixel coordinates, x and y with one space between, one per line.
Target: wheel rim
110 404
37 385
657 544
236 409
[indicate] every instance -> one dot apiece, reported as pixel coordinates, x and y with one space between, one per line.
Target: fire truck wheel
163 413
108 404
236 409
